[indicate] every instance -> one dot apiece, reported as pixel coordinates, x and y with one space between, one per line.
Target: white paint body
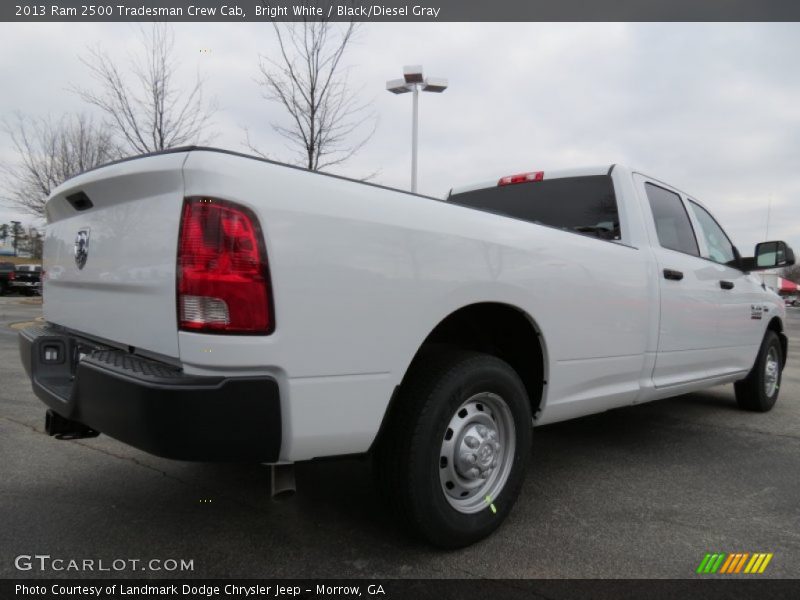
362 274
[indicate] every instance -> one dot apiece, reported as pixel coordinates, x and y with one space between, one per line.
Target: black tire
3 288
751 392
408 454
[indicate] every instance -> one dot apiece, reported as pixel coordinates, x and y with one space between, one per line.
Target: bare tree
31 242
328 123
48 153
148 109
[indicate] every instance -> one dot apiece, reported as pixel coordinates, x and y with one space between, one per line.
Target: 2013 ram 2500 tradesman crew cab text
205 305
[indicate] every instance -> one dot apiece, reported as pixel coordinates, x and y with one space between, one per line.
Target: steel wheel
456 402
759 390
477 452
771 372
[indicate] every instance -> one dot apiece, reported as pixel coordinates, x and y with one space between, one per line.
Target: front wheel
454 456
759 390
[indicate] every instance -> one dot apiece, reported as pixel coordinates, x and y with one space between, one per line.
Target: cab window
586 205
718 246
673 226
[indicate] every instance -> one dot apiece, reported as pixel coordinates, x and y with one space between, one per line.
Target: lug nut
482 431
473 473
472 442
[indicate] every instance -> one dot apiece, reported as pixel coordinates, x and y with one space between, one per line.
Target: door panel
740 326
688 320
689 341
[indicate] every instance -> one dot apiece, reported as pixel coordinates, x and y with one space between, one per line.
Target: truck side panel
361 275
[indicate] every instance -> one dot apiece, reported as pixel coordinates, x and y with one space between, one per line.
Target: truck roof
547 174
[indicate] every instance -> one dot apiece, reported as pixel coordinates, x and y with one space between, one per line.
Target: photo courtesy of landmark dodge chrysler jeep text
206 305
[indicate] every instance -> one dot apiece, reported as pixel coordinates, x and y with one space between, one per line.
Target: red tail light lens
223 279
12 275
521 178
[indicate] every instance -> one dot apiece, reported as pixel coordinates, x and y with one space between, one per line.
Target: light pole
411 82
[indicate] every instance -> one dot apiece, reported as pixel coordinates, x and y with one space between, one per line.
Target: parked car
7 275
27 279
206 305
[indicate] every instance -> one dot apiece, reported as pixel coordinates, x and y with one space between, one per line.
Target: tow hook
65 429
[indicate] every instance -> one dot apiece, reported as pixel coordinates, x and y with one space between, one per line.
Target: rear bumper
32 286
151 405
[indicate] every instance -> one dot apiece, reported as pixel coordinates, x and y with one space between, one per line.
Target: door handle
726 285
672 274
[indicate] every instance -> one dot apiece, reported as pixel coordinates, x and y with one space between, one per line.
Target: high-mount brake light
222 278
521 178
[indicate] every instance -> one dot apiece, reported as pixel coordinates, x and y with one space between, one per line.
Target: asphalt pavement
644 491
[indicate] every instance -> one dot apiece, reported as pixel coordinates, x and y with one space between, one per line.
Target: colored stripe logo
737 562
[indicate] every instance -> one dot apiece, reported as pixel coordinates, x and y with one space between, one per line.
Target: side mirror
770 255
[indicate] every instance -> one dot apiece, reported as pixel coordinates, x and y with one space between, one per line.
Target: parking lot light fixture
413 80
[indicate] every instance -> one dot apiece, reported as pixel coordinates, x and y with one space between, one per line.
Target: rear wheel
759 390
453 458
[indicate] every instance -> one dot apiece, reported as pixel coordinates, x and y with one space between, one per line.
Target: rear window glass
584 205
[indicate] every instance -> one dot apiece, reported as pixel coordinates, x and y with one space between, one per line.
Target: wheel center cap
485 454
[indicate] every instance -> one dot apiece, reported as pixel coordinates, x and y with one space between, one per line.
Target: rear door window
585 205
673 226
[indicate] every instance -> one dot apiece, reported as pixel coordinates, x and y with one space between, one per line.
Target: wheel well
777 326
502 331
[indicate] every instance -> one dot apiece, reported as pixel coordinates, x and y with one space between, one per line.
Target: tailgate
110 252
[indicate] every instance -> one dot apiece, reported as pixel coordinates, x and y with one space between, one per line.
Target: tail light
12 275
521 178
223 279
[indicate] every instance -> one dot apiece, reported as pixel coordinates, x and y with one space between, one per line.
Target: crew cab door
688 289
740 320
705 329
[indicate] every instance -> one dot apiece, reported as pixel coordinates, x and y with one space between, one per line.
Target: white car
206 305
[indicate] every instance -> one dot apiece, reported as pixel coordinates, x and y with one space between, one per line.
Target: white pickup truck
206 305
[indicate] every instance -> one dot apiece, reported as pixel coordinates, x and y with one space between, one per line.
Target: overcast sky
713 109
